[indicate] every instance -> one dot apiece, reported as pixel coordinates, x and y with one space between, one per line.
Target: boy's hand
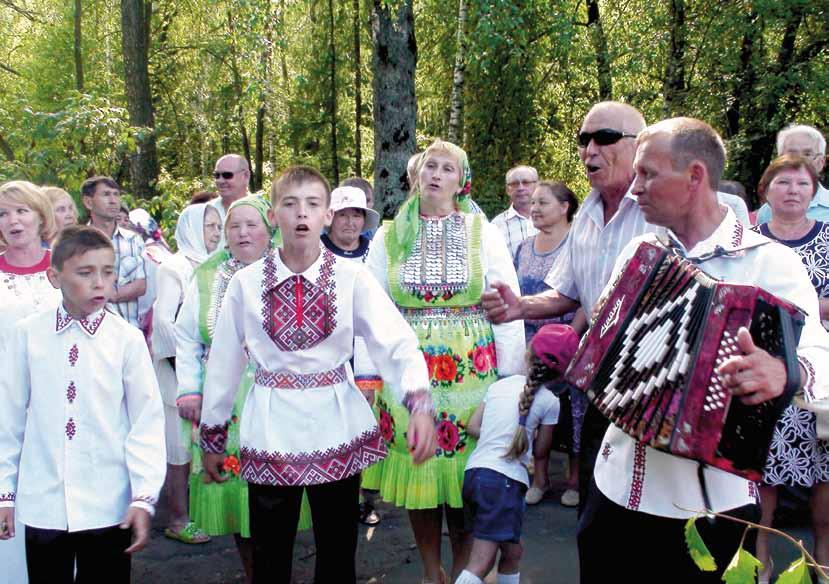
213 464
190 408
421 437
139 520
6 522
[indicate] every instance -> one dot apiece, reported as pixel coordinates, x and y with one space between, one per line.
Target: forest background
152 92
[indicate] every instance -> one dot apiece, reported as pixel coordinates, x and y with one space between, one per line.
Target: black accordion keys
649 360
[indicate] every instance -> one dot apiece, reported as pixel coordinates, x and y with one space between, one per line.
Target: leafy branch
744 566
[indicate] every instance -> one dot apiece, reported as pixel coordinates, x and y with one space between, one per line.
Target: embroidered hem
290 380
7 497
369 382
145 499
313 468
638 477
809 382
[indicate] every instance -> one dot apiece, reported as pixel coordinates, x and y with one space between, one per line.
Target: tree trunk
597 37
456 111
332 101
237 91
747 75
6 149
143 164
286 81
358 93
78 58
261 112
674 88
395 106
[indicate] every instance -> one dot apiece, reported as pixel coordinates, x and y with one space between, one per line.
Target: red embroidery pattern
145 499
638 477
607 451
93 326
213 438
71 429
737 237
62 320
289 380
71 392
808 386
73 355
313 468
298 314
7 497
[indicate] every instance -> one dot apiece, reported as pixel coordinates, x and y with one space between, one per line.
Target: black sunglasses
603 137
227 175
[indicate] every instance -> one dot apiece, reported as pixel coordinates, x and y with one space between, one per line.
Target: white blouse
24 291
304 421
81 427
174 276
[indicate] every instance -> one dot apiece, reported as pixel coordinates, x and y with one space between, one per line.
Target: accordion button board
649 362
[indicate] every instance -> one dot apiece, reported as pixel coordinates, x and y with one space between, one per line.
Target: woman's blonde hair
25 193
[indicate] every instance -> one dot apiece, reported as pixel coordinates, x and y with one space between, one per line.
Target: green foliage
742 569
796 573
697 548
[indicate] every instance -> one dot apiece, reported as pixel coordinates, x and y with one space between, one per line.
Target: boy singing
81 428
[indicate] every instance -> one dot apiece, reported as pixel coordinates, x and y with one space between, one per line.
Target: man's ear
54 277
697 175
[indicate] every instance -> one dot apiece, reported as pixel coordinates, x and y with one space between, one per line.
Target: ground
387 553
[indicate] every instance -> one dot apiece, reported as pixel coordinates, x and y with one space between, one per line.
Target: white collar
275 271
729 240
90 324
511 212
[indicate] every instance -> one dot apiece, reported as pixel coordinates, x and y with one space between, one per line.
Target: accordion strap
719 251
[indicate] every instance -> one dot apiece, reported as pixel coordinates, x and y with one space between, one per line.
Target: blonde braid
537 375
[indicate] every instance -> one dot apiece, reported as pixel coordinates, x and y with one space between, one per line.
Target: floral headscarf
403 232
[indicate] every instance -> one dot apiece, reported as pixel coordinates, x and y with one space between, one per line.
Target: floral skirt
797 456
222 508
459 348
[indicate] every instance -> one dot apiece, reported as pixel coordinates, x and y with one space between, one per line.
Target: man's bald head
232 174
630 120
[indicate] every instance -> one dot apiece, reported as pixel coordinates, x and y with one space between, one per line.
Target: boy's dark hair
89 185
294 175
76 240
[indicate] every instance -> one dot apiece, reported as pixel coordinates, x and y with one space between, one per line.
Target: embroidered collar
276 271
90 324
729 240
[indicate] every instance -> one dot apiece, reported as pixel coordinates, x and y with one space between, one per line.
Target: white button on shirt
643 479
81 428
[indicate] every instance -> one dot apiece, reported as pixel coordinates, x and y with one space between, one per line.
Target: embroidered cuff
213 438
145 503
187 396
7 499
419 402
369 382
809 382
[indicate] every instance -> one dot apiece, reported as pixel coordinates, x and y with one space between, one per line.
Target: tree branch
33 16
10 70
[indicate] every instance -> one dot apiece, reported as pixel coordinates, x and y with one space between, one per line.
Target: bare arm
130 291
824 308
502 305
473 426
580 324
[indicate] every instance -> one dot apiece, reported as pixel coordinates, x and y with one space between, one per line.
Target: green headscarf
263 205
402 233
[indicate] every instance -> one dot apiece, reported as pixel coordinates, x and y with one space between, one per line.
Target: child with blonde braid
496 477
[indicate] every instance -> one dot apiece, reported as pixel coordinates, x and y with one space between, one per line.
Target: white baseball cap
354 198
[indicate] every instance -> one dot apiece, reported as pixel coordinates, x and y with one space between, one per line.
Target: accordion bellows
649 361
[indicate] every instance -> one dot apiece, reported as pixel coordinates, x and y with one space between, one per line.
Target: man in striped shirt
607 220
515 222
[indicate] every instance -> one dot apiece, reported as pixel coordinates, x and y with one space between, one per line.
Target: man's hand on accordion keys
755 376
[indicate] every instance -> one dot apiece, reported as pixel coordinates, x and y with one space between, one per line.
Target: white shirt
81 427
496 266
174 277
24 291
154 255
304 421
500 421
737 204
584 267
514 227
647 480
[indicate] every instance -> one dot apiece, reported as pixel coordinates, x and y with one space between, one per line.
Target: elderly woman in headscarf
434 260
220 508
198 233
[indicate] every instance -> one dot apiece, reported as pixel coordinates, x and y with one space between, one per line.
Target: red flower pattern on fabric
451 435
386 425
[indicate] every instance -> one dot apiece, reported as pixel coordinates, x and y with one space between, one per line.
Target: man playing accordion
641 497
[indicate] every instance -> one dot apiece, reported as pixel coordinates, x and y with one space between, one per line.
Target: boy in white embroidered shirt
81 427
305 426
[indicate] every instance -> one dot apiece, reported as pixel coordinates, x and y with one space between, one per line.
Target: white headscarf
190 232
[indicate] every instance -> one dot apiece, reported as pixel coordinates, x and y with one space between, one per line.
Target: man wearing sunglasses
515 223
607 220
231 174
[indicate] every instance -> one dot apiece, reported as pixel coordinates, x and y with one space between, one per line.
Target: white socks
467 577
509 578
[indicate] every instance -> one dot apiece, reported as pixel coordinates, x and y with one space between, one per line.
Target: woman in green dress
434 260
220 508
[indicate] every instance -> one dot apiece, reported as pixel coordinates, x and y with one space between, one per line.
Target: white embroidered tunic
81 427
643 479
304 421
24 291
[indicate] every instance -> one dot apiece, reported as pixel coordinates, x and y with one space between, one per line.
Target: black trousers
51 556
593 429
274 514
620 545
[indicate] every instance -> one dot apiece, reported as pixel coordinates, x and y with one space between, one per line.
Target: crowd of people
294 358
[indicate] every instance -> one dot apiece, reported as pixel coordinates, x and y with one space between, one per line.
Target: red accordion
649 360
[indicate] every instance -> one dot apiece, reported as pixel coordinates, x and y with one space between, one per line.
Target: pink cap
555 345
